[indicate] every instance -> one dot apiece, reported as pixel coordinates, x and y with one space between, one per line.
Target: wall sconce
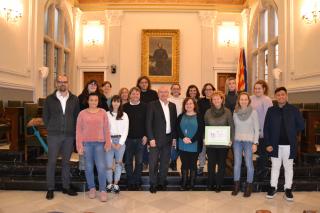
310 11
228 34
93 33
11 10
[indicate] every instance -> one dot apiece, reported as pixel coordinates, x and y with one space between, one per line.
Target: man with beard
60 112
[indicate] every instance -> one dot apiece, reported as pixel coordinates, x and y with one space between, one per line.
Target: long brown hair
117 98
238 107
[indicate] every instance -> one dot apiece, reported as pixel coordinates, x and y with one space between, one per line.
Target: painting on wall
160 55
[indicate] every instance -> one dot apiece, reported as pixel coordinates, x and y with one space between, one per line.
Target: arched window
56 44
263 43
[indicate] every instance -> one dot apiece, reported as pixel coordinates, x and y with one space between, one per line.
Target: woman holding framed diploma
245 141
220 128
190 140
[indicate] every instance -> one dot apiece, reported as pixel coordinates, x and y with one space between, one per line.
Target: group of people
141 126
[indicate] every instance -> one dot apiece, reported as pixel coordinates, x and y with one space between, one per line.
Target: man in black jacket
161 133
60 112
283 122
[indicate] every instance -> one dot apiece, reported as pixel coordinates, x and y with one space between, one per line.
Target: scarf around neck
244 114
217 112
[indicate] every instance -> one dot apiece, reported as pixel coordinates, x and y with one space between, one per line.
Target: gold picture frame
160 55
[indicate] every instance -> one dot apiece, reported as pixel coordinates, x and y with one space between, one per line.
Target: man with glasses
60 113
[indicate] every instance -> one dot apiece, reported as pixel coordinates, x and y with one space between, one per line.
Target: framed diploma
217 135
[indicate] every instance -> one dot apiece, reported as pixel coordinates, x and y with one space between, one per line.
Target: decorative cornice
304 75
207 18
308 88
14 72
114 17
9 85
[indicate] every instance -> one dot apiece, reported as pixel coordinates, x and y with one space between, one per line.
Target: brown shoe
236 188
248 190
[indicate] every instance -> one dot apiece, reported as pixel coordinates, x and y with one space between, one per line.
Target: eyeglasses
93 84
62 82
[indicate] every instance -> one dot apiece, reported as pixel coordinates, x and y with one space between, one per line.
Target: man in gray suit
60 112
161 131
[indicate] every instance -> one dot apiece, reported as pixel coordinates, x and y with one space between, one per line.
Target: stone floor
144 202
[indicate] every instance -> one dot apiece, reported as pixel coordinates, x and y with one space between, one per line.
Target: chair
12 103
41 102
30 111
5 126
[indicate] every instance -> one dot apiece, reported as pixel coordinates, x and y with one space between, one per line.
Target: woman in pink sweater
93 139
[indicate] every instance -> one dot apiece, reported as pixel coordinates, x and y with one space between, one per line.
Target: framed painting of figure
160 55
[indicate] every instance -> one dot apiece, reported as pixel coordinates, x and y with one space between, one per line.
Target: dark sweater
203 105
137 119
224 119
198 137
148 96
231 100
55 121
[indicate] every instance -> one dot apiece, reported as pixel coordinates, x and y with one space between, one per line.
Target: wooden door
98 76
222 77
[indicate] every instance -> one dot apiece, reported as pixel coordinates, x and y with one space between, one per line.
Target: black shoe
162 188
131 187
192 179
173 165
288 195
153 189
70 192
272 192
184 179
200 171
218 189
211 188
137 187
50 195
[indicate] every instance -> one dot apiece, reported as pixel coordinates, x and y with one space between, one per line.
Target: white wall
190 44
15 54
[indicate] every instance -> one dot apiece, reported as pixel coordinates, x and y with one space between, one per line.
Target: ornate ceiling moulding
161 5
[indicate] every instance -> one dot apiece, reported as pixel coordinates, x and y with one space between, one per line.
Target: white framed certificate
217 135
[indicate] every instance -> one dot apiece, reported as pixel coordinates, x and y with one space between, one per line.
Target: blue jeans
94 155
117 155
174 154
134 150
238 148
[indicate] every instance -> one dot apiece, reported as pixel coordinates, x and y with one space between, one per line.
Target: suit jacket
156 122
293 122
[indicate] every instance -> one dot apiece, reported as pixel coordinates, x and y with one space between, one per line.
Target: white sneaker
116 188
110 188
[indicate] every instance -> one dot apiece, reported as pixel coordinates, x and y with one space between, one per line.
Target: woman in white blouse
119 125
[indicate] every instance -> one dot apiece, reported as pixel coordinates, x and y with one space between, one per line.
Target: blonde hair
226 87
218 93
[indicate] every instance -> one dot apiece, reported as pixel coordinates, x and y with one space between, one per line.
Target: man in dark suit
161 132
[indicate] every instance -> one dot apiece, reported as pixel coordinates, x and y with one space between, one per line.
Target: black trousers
189 160
134 150
59 144
216 156
262 160
159 158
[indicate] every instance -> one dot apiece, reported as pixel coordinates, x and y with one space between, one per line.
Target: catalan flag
241 78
